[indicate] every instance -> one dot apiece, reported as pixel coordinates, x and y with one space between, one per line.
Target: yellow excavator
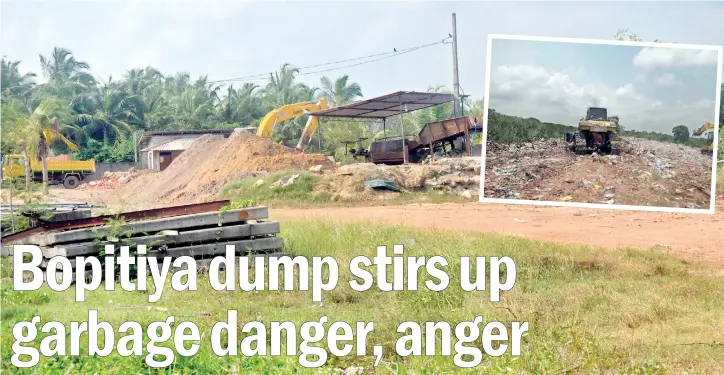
291 111
707 127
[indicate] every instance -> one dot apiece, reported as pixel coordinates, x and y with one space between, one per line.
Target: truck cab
596 114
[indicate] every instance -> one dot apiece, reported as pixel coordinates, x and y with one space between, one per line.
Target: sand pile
200 172
61 157
243 153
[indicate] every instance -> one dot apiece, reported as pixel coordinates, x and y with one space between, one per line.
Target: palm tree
64 73
138 81
145 94
417 120
177 83
282 88
12 82
43 127
340 91
108 113
241 106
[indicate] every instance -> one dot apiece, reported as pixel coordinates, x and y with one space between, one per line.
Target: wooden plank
184 237
151 226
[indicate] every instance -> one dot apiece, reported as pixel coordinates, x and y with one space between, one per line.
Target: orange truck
68 173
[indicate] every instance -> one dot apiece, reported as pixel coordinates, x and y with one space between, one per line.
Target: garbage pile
640 172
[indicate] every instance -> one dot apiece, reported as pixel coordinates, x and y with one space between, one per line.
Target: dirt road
691 236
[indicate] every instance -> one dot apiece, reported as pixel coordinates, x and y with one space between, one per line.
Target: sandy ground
689 236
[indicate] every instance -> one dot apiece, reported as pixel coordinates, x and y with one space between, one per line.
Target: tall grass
302 194
591 310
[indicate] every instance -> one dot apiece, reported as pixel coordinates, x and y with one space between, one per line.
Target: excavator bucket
309 129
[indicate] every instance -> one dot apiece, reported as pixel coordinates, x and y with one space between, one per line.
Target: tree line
507 128
73 111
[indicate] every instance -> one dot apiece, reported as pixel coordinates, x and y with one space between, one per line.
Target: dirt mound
641 172
211 161
61 157
242 153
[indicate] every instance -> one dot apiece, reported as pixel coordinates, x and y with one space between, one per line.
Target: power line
385 55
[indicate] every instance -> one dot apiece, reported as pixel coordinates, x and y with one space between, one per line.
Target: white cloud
661 57
666 79
532 91
703 103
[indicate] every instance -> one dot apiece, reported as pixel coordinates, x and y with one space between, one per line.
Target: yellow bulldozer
595 130
708 129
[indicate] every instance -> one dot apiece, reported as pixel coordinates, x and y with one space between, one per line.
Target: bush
119 151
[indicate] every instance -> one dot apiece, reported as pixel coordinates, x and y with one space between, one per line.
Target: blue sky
227 39
649 88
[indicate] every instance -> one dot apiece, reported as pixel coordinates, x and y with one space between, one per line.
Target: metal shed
383 107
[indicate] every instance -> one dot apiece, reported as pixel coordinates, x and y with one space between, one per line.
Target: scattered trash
519 220
285 181
643 172
567 198
505 171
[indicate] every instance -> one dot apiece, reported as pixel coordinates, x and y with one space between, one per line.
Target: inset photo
591 123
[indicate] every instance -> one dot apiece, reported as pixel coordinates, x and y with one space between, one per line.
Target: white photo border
712 201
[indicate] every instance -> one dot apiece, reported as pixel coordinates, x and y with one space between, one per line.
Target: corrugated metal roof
148 135
387 105
178 144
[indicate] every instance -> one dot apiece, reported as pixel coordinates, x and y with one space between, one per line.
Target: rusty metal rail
128 216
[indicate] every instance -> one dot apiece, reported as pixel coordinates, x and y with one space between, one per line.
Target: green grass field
591 310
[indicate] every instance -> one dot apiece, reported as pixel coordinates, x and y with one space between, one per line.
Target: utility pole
456 81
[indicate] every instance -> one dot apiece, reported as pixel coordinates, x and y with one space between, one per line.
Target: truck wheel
71 182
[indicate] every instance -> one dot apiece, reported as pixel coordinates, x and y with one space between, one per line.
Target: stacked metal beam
201 236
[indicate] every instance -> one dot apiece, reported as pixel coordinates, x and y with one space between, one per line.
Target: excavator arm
703 128
288 112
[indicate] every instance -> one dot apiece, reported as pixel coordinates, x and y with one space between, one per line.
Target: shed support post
467 140
402 132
